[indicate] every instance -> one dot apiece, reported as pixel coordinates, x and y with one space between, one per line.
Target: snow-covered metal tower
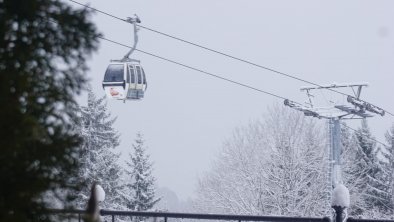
357 110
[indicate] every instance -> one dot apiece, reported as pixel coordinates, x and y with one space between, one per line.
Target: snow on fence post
100 193
340 201
93 211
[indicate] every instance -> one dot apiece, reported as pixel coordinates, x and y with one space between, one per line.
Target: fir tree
98 159
368 171
44 45
350 173
388 168
140 190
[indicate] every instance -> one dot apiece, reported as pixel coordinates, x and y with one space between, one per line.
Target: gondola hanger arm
134 22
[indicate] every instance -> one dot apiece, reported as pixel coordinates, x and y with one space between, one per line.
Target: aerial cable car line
190 67
198 70
216 76
222 78
234 57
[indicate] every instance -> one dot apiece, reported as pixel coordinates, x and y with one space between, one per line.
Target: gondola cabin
125 81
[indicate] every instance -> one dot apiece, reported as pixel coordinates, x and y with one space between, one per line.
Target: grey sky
185 115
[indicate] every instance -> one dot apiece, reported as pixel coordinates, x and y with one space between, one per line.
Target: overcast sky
185 116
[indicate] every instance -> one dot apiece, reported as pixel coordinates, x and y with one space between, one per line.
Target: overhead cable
226 55
198 70
205 72
219 77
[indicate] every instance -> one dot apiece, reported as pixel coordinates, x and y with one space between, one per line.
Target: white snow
340 196
100 193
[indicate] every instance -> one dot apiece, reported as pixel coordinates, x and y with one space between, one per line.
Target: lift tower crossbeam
357 109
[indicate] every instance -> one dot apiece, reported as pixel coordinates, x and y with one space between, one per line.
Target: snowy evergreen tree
44 45
388 168
368 176
367 172
98 159
349 176
139 192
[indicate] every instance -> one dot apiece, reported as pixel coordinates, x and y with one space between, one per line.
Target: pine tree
350 173
98 159
388 168
140 189
44 45
368 170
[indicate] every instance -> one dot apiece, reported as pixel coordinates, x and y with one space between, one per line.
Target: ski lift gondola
125 79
